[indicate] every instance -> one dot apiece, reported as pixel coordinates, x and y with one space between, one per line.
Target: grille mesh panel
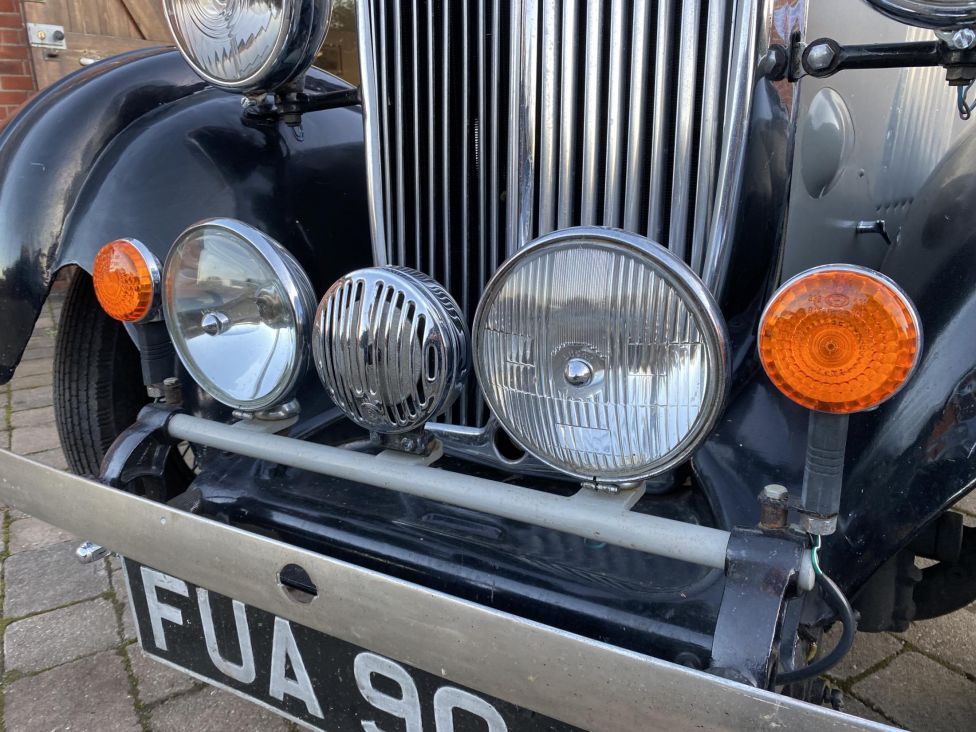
498 121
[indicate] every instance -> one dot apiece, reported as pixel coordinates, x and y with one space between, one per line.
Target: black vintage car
577 367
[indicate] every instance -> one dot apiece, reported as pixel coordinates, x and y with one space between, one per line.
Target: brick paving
70 661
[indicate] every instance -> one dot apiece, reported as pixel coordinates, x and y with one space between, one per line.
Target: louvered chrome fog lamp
602 354
391 348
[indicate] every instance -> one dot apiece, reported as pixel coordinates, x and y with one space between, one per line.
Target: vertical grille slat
548 93
567 129
636 134
416 206
492 122
431 203
592 119
715 40
465 144
399 150
660 129
616 120
684 120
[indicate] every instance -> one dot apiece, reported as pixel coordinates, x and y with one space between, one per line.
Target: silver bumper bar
568 677
600 516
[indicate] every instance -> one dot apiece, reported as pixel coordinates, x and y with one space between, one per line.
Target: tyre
98 389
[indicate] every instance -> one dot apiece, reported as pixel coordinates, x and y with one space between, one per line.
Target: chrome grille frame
480 141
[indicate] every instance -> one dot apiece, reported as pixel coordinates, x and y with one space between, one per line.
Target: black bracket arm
762 569
825 57
290 106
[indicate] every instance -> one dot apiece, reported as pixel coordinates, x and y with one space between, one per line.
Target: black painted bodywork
139 147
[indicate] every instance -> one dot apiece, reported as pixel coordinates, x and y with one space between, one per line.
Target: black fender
914 456
137 146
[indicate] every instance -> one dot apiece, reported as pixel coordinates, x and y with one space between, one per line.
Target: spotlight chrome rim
298 291
696 297
934 15
304 26
391 348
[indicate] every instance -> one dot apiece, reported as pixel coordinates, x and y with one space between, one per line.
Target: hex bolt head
963 39
775 492
774 507
820 56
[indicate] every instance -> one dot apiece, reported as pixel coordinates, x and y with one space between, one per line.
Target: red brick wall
16 74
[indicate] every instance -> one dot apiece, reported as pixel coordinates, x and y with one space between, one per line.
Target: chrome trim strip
741 86
616 115
431 154
415 89
708 136
374 172
547 127
397 101
636 170
521 151
446 182
496 100
567 103
684 122
565 676
591 110
659 122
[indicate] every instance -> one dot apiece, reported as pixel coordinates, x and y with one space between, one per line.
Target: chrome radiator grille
492 122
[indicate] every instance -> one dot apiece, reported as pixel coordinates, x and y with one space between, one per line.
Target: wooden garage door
94 29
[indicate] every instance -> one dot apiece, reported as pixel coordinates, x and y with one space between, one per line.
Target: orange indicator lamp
126 278
840 339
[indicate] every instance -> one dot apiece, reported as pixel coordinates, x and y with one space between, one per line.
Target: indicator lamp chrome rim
696 297
882 279
299 293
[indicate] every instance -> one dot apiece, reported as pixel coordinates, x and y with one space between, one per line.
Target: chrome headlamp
239 309
935 14
248 45
602 354
391 348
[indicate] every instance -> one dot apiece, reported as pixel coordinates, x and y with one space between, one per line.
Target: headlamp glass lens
603 361
229 40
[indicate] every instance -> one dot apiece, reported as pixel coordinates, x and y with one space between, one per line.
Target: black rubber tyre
98 388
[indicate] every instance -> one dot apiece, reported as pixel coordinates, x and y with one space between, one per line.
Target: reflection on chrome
238 308
248 44
391 347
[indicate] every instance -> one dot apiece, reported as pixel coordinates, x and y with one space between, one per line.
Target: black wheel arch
137 146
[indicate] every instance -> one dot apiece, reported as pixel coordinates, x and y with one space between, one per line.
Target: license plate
300 673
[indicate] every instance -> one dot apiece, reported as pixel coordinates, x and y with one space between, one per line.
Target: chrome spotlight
391 347
248 45
602 354
935 14
237 307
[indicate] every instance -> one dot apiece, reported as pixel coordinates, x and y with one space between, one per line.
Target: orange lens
124 283
839 339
